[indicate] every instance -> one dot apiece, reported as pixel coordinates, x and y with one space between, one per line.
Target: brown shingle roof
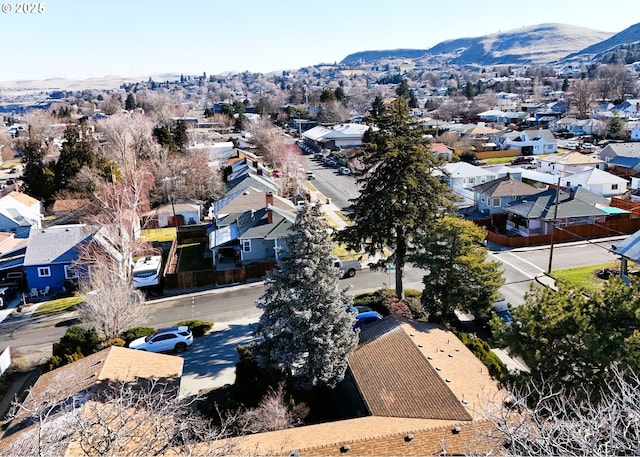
505 187
385 346
396 380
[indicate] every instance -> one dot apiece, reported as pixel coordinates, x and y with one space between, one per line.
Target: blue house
51 253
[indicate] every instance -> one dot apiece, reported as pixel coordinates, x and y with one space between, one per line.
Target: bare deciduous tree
538 420
120 418
582 96
271 414
111 303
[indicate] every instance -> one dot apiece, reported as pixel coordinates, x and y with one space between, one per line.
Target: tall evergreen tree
305 325
75 153
400 198
459 276
38 178
377 107
130 102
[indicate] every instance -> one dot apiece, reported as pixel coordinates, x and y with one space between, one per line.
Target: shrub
77 340
482 351
133 333
400 308
198 328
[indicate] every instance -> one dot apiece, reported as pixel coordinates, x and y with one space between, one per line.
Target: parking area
210 361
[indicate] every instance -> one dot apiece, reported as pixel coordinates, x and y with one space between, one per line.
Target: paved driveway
210 361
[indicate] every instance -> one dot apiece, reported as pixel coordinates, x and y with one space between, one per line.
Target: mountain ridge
536 45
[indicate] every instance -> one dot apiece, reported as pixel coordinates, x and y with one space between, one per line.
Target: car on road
572 144
501 309
520 160
366 318
318 156
344 171
311 175
176 339
328 161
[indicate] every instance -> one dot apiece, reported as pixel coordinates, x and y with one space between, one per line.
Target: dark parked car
522 160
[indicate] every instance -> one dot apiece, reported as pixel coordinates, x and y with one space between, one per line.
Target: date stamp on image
22 8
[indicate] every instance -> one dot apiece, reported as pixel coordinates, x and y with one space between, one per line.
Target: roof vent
455 430
429 357
345 448
438 369
450 355
409 437
294 453
447 380
419 345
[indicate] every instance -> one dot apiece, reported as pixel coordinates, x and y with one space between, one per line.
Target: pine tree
305 325
459 276
401 197
130 102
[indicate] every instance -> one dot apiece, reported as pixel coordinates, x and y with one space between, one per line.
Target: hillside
372 56
538 44
627 36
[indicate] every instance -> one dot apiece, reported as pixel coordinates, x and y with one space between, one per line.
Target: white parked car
164 340
344 171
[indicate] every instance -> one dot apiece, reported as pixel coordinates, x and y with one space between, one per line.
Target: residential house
613 150
575 126
12 251
51 253
252 236
413 388
538 141
597 181
75 388
634 131
247 200
628 250
491 115
462 177
493 197
19 213
174 214
538 214
568 163
339 136
441 151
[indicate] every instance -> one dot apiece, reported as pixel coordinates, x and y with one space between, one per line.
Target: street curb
539 281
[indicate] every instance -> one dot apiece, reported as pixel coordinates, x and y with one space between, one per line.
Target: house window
246 245
495 202
614 187
70 272
44 272
472 180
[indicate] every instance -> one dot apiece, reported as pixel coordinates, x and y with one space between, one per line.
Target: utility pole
553 226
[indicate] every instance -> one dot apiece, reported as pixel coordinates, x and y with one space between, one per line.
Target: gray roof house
252 236
494 196
620 150
536 214
51 253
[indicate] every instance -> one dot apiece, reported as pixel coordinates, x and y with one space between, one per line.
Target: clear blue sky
89 38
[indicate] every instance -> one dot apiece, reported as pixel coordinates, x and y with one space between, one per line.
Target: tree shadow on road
214 354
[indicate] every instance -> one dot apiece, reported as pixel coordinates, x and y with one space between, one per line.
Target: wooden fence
212 277
569 233
497 154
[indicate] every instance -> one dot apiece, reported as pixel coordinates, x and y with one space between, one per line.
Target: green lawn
582 278
57 306
192 257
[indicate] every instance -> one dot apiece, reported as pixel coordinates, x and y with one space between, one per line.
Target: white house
568 163
597 181
462 177
540 141
339 136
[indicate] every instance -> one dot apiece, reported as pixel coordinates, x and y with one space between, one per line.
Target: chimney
269 215
259 171
572 193
269 199
255 165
